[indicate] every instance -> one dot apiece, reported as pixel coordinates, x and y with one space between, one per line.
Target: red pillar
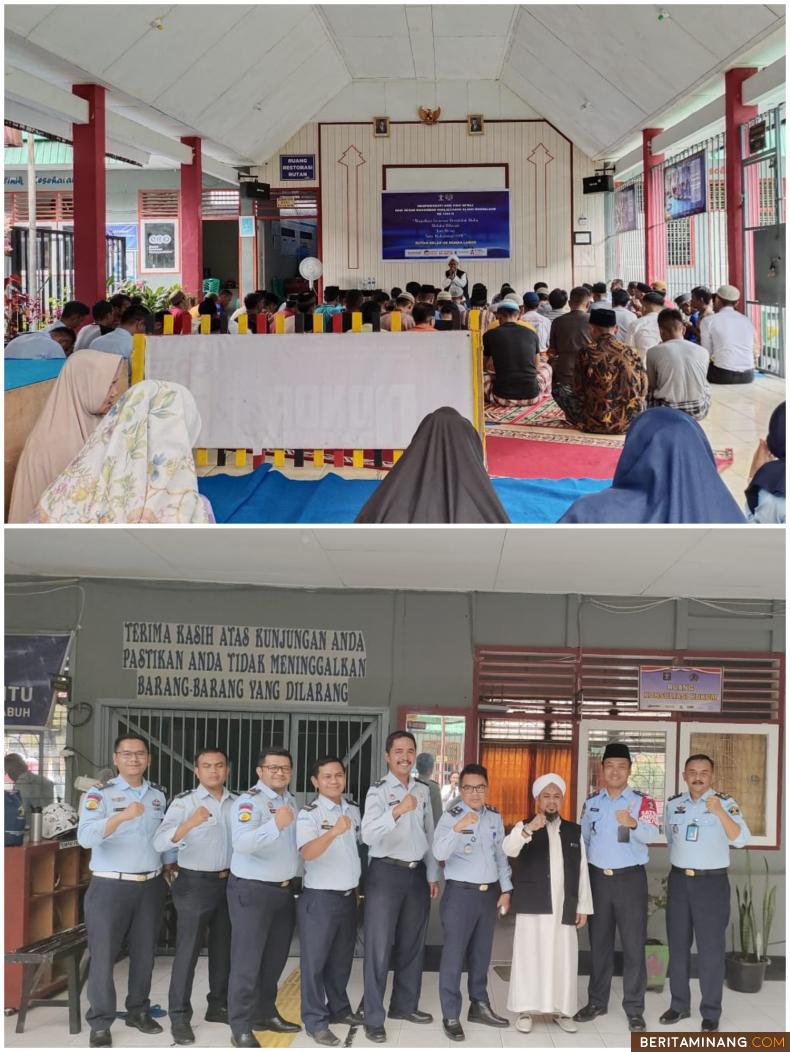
191 220
735 114
90 199
653 196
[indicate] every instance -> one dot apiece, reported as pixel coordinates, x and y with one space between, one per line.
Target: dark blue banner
297 166
473 224
685 187
30 661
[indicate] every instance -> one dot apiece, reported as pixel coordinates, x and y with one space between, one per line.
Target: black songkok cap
616 751
604 317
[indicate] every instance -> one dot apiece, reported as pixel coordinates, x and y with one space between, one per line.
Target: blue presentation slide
685 187
471 224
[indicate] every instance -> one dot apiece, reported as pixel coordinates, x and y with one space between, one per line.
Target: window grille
220 204
680 243
156 204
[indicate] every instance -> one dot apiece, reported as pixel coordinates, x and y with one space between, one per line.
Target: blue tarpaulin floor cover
267 496
21 372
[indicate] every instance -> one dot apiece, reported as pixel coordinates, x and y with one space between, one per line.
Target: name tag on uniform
326 825
692 831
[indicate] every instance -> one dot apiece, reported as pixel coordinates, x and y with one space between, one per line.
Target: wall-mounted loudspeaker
598 184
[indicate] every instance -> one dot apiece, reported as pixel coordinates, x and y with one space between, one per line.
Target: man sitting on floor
48 343
515 374
730 339
610 382
644 333
569 334
677 369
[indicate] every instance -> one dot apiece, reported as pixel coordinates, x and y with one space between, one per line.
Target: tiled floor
738 419
48 1028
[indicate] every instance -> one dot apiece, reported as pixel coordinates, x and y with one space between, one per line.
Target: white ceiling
247 77
706 563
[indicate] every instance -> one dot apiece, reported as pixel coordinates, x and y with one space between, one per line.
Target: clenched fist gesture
408 803
625 818
538 822
199 816
342 825
465 821
283 817
134 810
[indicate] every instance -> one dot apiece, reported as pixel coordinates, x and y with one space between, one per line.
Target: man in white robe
543 976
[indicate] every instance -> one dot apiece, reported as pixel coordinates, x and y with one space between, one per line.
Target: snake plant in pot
745 971
656 951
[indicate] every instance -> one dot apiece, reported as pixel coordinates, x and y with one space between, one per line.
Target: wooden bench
67 946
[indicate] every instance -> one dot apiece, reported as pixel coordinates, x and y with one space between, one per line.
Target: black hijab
771 476
440 478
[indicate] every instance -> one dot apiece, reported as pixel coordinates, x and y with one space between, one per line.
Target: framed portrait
745 765
381 127
652 744
475 124
582 237
159 246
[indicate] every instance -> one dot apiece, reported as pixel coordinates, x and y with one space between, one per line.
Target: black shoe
636 1023
348 1018
588 1013
182 1033
324 1037
278 1025
453 1029
671 1016
144 1022
217 1015
244 1040
411 1017
481 1012
710 1024
375 1033
100 1039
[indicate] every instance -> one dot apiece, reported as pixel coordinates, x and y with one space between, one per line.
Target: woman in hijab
441 477
666 473
137 465
88 385
765 496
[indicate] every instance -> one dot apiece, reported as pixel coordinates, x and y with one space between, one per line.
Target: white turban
547 779
453 259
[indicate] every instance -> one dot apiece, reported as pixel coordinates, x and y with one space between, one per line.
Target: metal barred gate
175 735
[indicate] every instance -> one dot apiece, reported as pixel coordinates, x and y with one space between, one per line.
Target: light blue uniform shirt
407 838
130 849
711 847
261 851
599 829
34 345
208 847
475 855
119 341
338 868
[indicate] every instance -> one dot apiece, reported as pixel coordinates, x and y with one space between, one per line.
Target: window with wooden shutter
220 204
155 204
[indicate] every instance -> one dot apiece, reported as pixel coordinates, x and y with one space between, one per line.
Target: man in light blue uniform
702 825
401 880
197 823
327 834
121 340
48 343
263 865
126 895
468 840
617 824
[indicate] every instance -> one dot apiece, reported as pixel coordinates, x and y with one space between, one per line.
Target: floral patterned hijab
137 466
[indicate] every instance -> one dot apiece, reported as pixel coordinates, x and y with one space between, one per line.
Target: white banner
350 391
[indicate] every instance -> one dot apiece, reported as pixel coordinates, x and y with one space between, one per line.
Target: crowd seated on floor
608 355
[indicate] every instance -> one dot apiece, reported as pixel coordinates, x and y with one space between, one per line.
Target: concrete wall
420 645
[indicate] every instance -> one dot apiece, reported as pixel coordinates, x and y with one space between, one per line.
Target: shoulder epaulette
252 791
187 792
675 797
101 785
232 795
724 796
380 782
310 807
490 808
638 792
457 810
595 792
421 782
350 800
161 788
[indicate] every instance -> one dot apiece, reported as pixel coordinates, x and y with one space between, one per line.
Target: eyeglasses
474 788
132 755
276 769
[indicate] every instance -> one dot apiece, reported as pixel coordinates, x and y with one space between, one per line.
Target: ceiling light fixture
663 15
157 23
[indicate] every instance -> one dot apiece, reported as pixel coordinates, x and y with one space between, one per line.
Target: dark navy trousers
327 936
397 904
697 907
468 921
620 902
201 904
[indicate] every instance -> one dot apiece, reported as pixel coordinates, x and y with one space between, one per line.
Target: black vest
532 878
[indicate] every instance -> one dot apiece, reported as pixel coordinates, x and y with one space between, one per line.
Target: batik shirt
611 384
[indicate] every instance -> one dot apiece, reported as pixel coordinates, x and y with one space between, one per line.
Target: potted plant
745 971
155 298
656 952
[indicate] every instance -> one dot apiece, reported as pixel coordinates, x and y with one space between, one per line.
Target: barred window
680 248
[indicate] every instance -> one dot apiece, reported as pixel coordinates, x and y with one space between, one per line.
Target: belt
269 883
130 876
612 872
699 872
220 874
332 891
400 862
475 887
